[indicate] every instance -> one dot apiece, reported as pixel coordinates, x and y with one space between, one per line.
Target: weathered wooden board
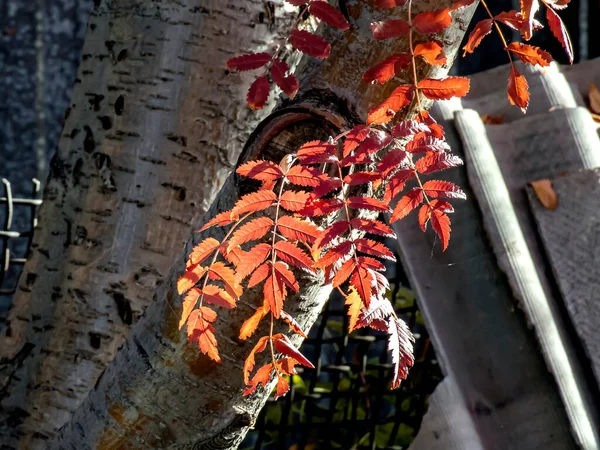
571 237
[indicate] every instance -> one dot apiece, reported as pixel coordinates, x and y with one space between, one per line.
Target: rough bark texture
159 392
155 126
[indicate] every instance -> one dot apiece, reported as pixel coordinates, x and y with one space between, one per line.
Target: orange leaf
390 162
432 21
263 375
219 271
343 273
363 280
189 279
315 149
297 230
390 29
188 305
258 94
355 304
286 365
294 201
374 248
293 255
294 326
255 229
200 330
357 178
328 14
443 189
407 203
434 162
287 83
248 62
286 276
274 291
444 89
259 275
260 170
560 32
203 250
368 203
530 54
284 345
250 325
372 227
386 69
282 384
440 222
309 43
545 193
383 113
256 201
354 138
252 259
528 10
304 176
518 93
338 253
332 232
217 296
221 219
250 361
481 30
432 52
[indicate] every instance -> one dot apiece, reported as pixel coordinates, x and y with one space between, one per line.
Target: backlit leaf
258 94
407 203
384 71
294 326
255 201
203 250
286 82
400 345
434 162
518 93
255 229
368 203
217 296
390 29
201 331
372 227
249 61
444 89
560 32
260 170
530 54
328 14
262 376
250 325
219 271
385 112
188 305
293 255
294 201
309 43
430 22
250 360
432 52
481 30
284 346
443 189
297 230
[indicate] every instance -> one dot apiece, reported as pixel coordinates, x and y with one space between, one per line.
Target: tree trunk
159 391
155 126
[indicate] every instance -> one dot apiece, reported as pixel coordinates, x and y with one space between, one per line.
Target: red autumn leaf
370 263
282 387
200 330
256 201
440 222
430 22
325 187
284 346
444 89
355 304
383 113
362 279
435 128
255 229
560 32
217 296
297 230
313 150
390 29
283 272
434 162
275 292
481 30
233 255
293 255
407 203
389 3
424 215
424 144
219 271
259 275
409 128
203 250
294 326
518 93
304 176
558 4
443 189
528 10
252 259
328 14
514 20
354 137
322 206
294 201
309 43
332 232
376 141
382 72
357 178
248 62
287 83
262 375
260 170
374 248
338 253
190 278
250 325
287 366
250 360
368 203
343 272
221 219
258 94
400 345
188 305
379 309
530 54
372 227
432 52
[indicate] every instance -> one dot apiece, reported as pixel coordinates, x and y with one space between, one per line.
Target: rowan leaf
481 30
386 111
260 346
339 253
400 345
234 255
201 331
293 255
362 279
219 271
528 10
258 94
322 206
434 162
530 54
342 274
379 309
444 89
518 93
443 189
325 187
560 32
358 178
260 170
315 149
309 43
370 263
409 128
217 296
297 230
286 82
368 203
430 22
424 144
514 20
423 216
432 52
262 375
188 305
328 14
286 365
254 202
248 61
374 248
435 128
440 222
294 201
259 275
221 219
190 278
385 70
283 272
203 250
294 326
284 346
332 232
251 324
355 304
255 229
390 29
407 203
282 384
354 137
304 176
372 227
275 292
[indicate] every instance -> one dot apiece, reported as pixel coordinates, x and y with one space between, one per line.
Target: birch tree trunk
159 391
155 126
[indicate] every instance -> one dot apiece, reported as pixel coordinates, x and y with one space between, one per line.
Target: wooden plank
571 237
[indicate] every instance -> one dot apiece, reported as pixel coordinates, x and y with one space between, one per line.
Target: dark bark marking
138 203
77 172
153 160
181 140
123 307
106 122
95 340
88 142
95 100
67 242
119 105
142 351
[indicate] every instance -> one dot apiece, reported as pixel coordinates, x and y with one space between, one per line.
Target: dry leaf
594 96
492 120
596 117
545 193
